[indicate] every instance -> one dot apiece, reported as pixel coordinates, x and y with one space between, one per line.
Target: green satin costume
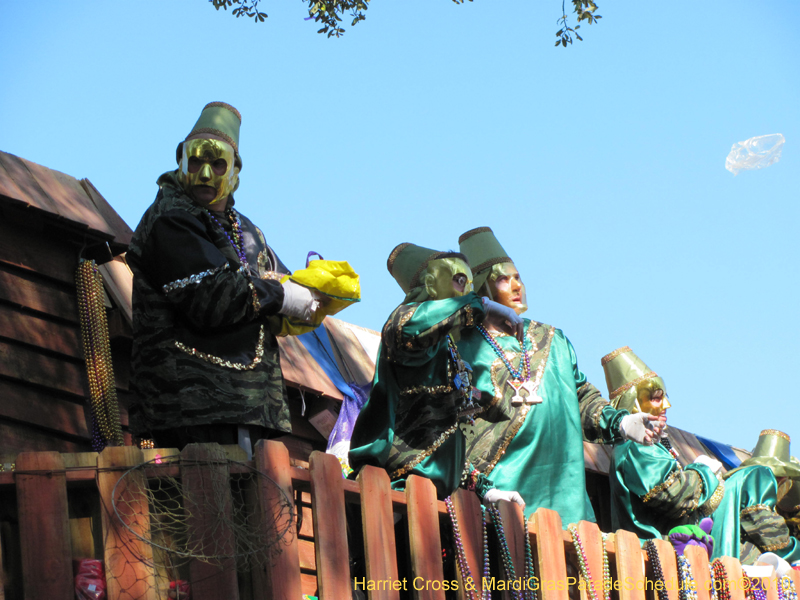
651 493
537 450
410 422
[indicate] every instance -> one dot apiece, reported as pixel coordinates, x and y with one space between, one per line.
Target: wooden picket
318 565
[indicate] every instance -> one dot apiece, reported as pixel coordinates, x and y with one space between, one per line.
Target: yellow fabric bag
335 280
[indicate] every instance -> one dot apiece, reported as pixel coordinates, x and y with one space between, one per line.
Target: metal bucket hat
624 371
482 249
772 450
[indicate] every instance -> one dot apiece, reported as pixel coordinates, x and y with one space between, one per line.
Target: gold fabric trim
775 432
469 320
597 414
395 253
272 275
525 409
698 490
221 362
712 503
468 234
623 388
436 389
254 297
612 355
225 105
773 547
399 333
755 508
424 454
662 486
491 262
216 132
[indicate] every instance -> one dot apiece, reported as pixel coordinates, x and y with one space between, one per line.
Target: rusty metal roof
78 203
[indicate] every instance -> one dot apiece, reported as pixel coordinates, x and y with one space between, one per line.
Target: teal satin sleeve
444 467
645 467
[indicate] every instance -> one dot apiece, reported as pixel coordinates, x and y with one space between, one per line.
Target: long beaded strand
106 427
461 557
721 576
658 571
237 241
524 372
688 587
526 593
786 588
583 563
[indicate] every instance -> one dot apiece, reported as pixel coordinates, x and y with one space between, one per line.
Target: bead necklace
106 427
668 446
583 563
786 588
753 589
527 592
658 571
520 378
721 583
237 241
462 381
461 557
688 587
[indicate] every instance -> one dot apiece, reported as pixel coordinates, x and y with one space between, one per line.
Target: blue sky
600 167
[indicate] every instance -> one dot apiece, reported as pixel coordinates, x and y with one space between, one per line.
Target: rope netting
173 514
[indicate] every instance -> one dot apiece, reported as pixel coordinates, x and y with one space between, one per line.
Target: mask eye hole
460 280
194 164
219 166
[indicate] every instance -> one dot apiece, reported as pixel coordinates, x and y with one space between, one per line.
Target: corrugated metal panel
302 371
351 357
60 194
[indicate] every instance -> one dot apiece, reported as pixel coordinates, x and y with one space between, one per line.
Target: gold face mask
448 278
208 172
651 398
506 287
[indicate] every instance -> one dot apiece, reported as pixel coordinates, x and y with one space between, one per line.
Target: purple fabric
351 406
681 540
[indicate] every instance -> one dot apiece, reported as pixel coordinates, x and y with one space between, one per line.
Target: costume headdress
772 450
407 262
624 371
483 250
220 120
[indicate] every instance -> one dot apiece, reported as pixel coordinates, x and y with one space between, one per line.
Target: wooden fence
314 557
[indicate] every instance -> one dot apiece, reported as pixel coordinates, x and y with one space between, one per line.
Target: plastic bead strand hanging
106 429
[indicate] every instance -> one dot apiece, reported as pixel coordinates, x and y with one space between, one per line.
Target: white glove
505 315
711 463
639 428
298 301
494 495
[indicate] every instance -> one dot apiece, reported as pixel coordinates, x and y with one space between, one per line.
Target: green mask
447 278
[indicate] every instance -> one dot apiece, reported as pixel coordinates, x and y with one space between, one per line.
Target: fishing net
176 513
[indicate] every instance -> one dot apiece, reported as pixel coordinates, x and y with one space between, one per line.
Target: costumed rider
207 302
652 491
541 407
789 500
422 390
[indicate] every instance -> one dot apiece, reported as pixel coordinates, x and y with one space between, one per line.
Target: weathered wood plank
37 295
280 577
470 524
330 527
733 568
209 508
36 331
17 437
515 532
698 557
377 519
592 540
19 362
424 538
551 563
628 557
669 566
42 409
44 526
127 557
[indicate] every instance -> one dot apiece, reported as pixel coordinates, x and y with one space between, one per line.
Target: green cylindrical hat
220 120
624 371
482 249
790 501
772 450
407 262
